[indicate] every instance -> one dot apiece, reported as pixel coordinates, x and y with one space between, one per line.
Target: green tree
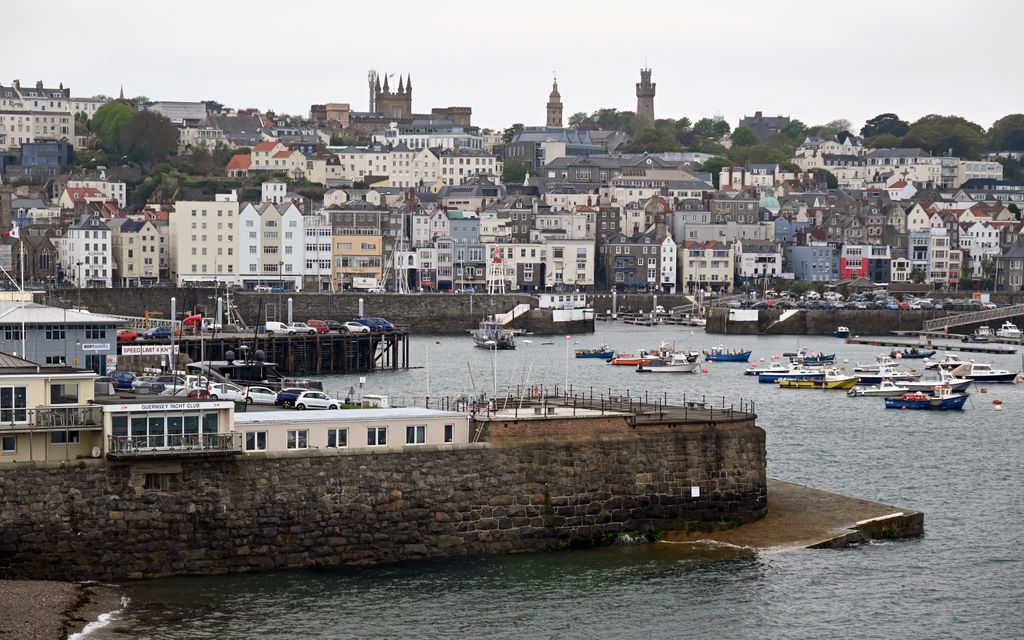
714 166
510 132
615 120
1013 169
1007 133
710 129
654 141
790 167
744 137
830 178
683 124
939 134
916 275
148 138
885 123
578 120
106 123
884 141
796 131
514 172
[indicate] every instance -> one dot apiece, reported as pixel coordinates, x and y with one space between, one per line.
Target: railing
174 445
44 418
972 317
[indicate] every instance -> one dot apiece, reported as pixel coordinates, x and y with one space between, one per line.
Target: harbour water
961 579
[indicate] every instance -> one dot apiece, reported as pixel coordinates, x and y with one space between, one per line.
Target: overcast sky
815 61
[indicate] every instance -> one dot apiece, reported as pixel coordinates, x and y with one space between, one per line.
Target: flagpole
21 245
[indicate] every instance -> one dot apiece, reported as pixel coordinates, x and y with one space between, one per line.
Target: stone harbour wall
820 322
113 521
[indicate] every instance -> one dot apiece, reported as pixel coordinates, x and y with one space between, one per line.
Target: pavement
802 517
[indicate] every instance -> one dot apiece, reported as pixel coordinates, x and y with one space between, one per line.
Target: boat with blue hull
842 332
811 358
719 354
943 400
603 352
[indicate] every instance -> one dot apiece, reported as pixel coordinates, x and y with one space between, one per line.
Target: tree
1007 133
654 141
789 167
510 132
884 141
916 275
885 123
578 120
683 124
212 106
744 137
711 129
942 134
614 120
714 166
796 131
106 123
514 172
148 137
1013 169
830 178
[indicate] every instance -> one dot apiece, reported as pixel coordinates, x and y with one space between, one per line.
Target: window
10 444
337 438
12 333
56 360
162 481
415 435
13 404
64 393
449 433
65 437
54 332
377 436
256 441
297 438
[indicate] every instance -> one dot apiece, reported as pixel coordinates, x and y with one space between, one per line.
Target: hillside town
134 192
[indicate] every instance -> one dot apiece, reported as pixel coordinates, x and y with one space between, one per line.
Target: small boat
795 372
945 399
676 363
1008 330
983 333
847 382
912 353
949 361
491 334
945 379
603 352
842 332
756 369
983 372
882 361
886 373
810 358
884 389
719 354
630 360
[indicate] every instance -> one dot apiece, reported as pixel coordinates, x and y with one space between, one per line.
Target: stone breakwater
102 521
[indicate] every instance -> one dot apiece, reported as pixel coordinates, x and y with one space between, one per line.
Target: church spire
386 88
408 83
401 84
121 97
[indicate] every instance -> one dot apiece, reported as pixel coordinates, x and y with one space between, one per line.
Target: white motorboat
1008 330
673 363
945 379
948 361
882 361
884 389
984 372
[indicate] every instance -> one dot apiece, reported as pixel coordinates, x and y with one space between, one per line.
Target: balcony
174 446
50 418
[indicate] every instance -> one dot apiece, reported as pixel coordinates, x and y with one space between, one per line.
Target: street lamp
79 283
280 296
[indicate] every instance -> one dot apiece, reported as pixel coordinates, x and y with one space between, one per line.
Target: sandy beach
44 610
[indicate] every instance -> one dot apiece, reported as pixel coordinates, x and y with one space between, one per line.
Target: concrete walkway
802 517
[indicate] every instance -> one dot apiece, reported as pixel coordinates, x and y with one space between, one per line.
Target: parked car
302 327
141 380
334 325
319 325
259 395
315 400
469 290
376 324
272 327
261 288
122 379
225 391
127 335
197 393
157 333
355 327
286 397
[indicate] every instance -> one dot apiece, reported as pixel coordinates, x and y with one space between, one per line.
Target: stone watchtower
396 105
555 106
645 98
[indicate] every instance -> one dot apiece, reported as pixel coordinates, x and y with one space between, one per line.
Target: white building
203 241
31 114
86 106
111 190
84 252
981 241
758 259
318 251
274 191
271 246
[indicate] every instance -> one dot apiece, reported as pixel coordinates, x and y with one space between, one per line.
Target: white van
271 327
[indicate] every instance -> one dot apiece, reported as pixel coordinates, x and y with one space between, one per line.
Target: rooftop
343 415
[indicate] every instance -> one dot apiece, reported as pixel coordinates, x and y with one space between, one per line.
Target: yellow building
357 259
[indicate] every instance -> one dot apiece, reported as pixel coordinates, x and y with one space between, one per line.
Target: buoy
704 370
984 389
846 360
997 405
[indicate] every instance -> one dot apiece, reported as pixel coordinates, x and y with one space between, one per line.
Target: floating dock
807 518
966 347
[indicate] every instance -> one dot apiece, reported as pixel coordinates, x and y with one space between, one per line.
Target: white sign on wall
147 350
95 346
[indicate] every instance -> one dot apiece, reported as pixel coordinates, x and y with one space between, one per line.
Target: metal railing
71 417
172 445
972 317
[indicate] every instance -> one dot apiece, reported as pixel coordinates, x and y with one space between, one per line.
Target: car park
286 397
122 379
261 288
319 325
355 327
467 290
197 393
127 335
315 400
271 327
375 324
157 333
259 395
225 391
334 325
302 327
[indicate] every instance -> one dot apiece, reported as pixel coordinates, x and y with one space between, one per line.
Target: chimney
757 114
17 84
39 84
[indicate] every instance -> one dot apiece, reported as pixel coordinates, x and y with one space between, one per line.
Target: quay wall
818 322
104 521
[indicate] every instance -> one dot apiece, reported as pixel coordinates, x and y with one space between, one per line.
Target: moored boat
983 333
796 372
719 354
812 358
630 360
882 361
884 389
603 352
983 372
491 334
842 332
912 353
886 373
945 399
948 361
1008 330
675 363
844 383
945 379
